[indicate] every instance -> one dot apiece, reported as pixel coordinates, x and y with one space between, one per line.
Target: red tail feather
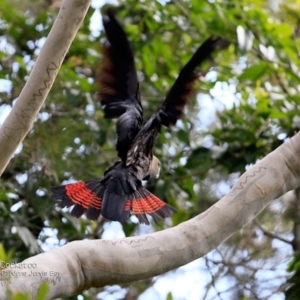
80 194
147 205
144 203
87 197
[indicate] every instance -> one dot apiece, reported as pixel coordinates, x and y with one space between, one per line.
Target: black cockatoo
120 192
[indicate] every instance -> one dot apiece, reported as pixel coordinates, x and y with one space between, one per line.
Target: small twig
271 234
181 8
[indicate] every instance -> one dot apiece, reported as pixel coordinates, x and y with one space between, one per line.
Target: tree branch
80 265
21 118
271 234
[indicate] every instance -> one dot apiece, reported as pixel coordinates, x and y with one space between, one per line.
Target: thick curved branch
21 118
83 264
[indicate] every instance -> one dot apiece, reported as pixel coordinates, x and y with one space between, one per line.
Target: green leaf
169 296
255 72
284 30
20 296
199 159
42 291
183 136
2 253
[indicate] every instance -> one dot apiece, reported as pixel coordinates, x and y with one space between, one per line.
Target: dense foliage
247 105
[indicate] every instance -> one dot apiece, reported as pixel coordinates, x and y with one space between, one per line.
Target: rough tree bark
80 265
20 120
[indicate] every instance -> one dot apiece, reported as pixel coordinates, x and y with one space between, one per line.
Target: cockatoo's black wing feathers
173 105
119 94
